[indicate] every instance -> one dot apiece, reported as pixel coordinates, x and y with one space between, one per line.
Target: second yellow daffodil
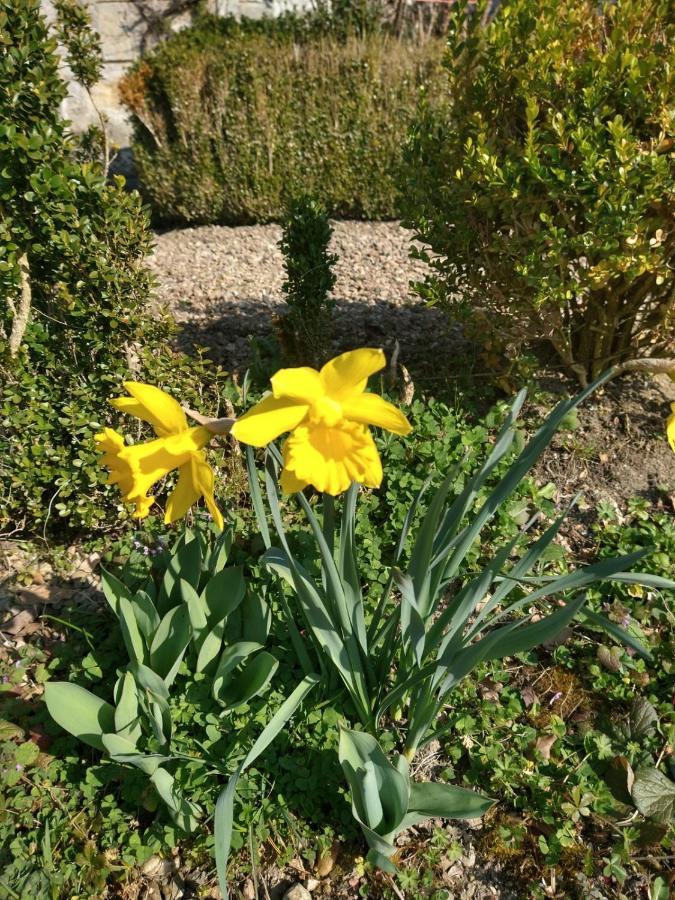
136 468
328 414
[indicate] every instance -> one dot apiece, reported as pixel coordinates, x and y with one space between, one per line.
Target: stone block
78 108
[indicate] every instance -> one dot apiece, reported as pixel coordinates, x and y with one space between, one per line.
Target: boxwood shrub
233 120
544 185
75 246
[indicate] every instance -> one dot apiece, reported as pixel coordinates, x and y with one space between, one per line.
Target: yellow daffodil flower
177 446
328 413
670 427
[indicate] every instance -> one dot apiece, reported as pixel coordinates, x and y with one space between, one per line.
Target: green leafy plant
305 329
71 248
233 120
399 661
187 613
543 186
75 322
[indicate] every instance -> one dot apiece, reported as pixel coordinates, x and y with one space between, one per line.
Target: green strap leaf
224 814
250 681
79 712
429 800
170 642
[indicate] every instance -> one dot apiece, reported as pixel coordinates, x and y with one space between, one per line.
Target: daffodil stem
329 521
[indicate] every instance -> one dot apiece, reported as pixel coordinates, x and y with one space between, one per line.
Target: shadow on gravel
432 348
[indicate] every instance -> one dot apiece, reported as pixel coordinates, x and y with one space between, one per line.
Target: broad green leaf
654 794
429 800
113 589
246 683
256 618
124 751
210 648
380 791
220 552
185 562
170 642
231 657
130 631
223 593
127 723
197 611
154 695
80 712
184 813
146 615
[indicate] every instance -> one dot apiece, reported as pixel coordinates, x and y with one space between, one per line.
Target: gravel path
224 286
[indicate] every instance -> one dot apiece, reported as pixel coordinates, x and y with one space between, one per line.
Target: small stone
248 891
297 892
312 884
325 863
158 868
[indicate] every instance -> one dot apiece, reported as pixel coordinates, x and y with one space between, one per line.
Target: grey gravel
223 285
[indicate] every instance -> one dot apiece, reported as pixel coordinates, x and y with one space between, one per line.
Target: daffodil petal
348 373
155 406
331 458
670 428
136 468
268 419
371 409
290 483
183 496
301 383
203 476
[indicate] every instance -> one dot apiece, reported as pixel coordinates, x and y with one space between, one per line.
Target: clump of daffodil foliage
387 653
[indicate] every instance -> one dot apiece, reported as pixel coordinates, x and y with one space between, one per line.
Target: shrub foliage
305 329
233 120
545 187
71 271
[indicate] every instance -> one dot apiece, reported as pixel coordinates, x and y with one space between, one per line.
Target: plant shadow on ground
239 333
614 448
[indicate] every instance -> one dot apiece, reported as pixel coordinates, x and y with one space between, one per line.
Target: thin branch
21 315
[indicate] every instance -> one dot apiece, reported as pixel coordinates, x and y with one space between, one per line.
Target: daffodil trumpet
137 468
328 414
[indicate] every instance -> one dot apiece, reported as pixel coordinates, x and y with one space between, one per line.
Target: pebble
297 892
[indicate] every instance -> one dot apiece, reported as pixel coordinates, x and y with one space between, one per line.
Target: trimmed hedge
234 120
545 187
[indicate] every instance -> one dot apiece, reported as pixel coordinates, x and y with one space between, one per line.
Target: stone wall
130 28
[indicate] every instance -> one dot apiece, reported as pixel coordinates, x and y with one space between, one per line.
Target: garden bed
223 285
